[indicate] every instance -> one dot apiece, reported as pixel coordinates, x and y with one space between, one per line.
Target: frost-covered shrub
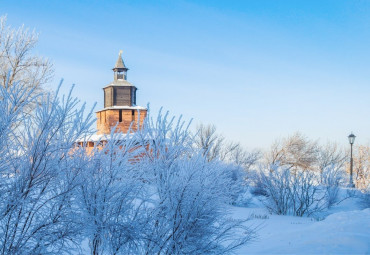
110 198
243 193
190 214
235 183
244 198
257 187
276 185
364 199
187 212
332 179
38 174
291 193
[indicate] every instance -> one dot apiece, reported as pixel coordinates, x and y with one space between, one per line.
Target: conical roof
119 63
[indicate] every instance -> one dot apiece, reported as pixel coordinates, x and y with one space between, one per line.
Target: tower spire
119 63
120 70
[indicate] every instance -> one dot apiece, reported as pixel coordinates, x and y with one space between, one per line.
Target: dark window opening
133 115
120 115
133 96
114 95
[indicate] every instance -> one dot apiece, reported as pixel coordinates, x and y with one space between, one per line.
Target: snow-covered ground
345 229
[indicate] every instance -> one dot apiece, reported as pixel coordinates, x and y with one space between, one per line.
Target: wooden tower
120 103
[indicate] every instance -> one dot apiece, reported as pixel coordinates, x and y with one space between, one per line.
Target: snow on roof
119 136
124 107
119 83
105 137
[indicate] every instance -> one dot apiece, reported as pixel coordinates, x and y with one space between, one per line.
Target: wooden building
120 103
120 110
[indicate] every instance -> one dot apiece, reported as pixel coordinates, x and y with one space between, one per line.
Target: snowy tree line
313 174
296 176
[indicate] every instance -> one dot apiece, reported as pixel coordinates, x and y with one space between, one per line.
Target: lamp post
351 139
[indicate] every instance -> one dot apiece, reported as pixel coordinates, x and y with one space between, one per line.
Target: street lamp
351 139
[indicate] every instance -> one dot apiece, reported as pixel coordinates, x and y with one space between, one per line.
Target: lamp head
351 138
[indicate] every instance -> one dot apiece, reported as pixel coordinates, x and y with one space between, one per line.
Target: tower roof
119 63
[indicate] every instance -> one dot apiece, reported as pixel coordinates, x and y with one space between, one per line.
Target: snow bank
340 233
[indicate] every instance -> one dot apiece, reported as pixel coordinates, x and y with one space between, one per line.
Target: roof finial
119 62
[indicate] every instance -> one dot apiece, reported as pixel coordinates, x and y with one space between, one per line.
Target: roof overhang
124 107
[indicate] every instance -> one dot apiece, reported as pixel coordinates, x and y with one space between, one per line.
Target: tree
19 65
214 146
209 141
361 167
38 173
331 155
237 155
238 162
294 152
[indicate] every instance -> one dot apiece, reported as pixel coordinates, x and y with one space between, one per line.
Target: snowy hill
346 230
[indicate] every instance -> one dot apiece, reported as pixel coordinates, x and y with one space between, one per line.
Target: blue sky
258 70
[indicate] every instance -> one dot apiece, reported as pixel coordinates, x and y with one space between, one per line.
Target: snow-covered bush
290 193
110 197
244 198
332 179
276 187
239 184
308 177
188 212
236 184
38 174
364 198
255 178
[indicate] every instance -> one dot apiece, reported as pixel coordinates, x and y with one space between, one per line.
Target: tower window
120 115
133 115
133 96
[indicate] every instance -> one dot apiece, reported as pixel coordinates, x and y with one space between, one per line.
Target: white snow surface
124 107
346 230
